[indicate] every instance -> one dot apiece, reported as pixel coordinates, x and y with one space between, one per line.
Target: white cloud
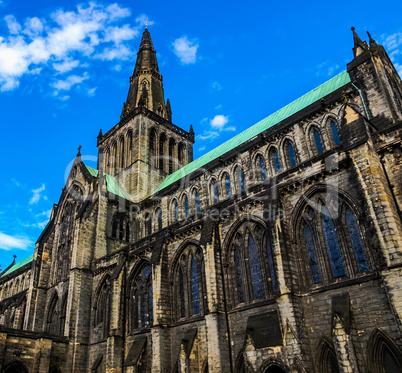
37 195
91 92
66 66
219 121
216 85
218 107
186 50
217 125
13 26
67 84
13 242
208 135
65 40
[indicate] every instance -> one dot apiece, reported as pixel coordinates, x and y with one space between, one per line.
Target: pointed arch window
152 147
158 215
195 295
253 275
312 255
263 170
148 220
162 142
122 153
331 240
335 133
275 162
101 309
171 147
128 231
271 266
215 192
239 276
197 201
141 306
241 179
318 142
228 187
189 283
255 269
356 241
181 294
186 207
291 154
175 212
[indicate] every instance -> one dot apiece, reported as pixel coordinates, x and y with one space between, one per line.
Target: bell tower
146 87
145 146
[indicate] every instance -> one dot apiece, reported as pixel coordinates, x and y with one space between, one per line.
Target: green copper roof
17 265
290 109
112 184
92 171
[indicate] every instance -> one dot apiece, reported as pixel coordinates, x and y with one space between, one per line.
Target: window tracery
141 299
102 307
252 274
189 283
332 241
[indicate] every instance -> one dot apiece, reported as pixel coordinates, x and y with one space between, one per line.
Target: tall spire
359 45
373 43
146 87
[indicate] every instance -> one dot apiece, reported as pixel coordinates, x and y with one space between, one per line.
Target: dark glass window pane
356 241
147 271
271 266
150 305
181 294
194 288
216 193
390 364
263 170
292 157
159 220
241 180
149 222
239 276
331 240
228 189
335 133
128 232
255 269
161 149
176 212
333 363
197 201
143 304
186 206
135 310
276 162
312 257
318 143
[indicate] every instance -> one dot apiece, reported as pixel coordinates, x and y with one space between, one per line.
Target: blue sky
65 67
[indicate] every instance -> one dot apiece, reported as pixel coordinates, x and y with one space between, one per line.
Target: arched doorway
274 369
15 367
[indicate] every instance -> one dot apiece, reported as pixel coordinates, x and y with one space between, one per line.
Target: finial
353 29
79 151
146 23
14 256
372 41
100 133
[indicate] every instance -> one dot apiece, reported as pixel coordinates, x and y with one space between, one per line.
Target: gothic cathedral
278 251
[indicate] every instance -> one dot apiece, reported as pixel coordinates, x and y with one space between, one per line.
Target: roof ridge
281 114
17 265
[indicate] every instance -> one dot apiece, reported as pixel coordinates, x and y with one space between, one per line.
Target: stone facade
280 253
